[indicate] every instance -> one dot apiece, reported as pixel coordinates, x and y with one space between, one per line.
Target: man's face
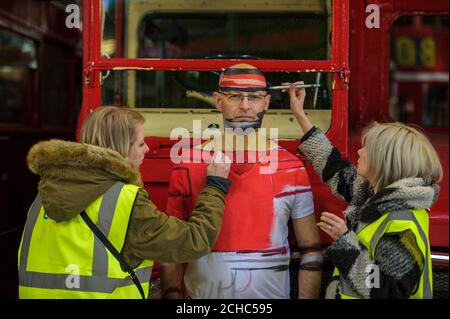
241 106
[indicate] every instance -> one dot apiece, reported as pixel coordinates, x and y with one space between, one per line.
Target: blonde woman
381 249
95 186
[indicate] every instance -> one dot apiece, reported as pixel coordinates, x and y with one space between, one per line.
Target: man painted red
269 186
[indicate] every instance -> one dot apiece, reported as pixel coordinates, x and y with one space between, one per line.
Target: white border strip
439 258
421 76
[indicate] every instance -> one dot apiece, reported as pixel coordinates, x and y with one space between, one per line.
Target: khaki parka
73 175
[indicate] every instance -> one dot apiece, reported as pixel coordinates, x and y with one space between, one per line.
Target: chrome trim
439 258
434 258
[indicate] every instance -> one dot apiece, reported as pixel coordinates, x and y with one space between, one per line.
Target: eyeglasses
238 98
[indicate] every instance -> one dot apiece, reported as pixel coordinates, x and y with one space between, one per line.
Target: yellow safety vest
66 260
395 222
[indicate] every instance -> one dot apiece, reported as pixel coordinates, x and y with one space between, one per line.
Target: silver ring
329 227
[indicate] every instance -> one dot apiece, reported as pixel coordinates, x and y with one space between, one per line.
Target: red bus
381 60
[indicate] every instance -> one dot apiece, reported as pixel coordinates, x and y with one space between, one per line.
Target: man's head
242 97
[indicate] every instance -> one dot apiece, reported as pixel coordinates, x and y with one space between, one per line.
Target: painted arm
171 276
309 274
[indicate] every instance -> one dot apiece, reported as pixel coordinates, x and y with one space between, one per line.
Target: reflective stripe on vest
100 274
371 234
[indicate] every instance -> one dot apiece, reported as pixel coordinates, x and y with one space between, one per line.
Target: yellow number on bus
428 52
405 51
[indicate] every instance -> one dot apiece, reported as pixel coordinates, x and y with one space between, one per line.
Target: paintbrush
297 86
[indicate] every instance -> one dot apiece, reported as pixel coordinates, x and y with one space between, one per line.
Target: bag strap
113 251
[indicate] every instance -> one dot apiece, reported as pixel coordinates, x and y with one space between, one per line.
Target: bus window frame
94 64
415 71
32 118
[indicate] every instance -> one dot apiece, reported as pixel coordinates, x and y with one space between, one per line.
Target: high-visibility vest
66 259
395 222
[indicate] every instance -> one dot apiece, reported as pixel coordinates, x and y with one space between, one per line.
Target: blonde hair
111 127
395 151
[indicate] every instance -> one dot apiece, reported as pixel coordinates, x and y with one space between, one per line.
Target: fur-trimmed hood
73 175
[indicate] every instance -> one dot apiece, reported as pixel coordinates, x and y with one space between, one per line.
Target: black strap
113 251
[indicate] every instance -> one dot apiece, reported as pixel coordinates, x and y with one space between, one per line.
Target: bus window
183 94
419 80
108 28
194 30
17 70
294 30
284 36
54 104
